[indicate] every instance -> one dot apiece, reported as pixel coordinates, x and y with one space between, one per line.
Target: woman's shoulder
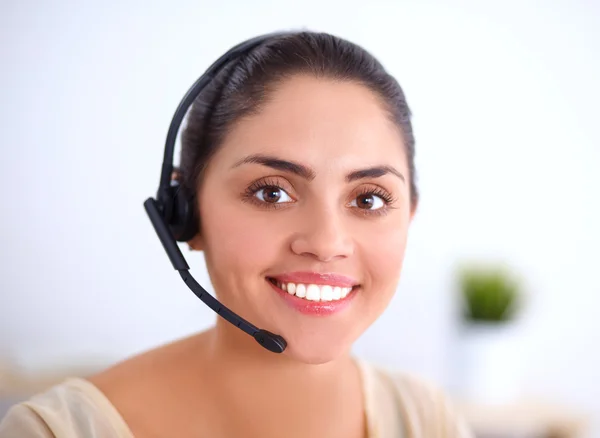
104 405
70 409
406 401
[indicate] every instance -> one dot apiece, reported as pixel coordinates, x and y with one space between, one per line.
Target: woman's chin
316 352
314 357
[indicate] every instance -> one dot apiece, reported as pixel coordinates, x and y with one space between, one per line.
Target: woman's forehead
319 121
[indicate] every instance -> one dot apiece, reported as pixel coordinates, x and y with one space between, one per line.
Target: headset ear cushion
184 224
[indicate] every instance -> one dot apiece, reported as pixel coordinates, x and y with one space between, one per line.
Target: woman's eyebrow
279 164
309 174
373 172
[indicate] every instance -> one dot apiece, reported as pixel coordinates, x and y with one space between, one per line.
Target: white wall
505 97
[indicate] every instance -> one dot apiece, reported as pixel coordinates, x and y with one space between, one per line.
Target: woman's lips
313 307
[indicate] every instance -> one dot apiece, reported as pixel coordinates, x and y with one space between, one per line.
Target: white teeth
314 292
326 293
300 290
337 293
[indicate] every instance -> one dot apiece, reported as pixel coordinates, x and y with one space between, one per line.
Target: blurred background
505 101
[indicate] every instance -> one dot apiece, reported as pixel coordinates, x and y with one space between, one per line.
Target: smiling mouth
314 292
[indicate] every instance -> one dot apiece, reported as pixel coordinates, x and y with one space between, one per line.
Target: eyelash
249 196
387 198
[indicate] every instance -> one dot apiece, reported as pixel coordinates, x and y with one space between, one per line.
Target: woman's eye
273 195
368 201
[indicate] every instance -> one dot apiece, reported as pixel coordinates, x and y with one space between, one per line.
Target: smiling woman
299 160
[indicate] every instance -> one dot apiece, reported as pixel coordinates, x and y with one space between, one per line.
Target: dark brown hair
243 86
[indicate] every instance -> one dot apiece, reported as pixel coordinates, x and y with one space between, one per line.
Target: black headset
172 212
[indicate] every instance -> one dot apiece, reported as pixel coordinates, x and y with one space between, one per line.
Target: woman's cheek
241 237
386 256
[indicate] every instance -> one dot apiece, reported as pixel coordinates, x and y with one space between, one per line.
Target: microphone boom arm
270 341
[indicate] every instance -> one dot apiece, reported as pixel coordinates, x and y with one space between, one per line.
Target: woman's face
302 202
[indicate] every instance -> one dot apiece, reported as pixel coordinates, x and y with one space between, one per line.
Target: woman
300 156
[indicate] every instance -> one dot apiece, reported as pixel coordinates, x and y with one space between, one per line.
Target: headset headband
187 101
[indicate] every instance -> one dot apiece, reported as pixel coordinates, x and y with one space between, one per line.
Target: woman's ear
196 244
413 211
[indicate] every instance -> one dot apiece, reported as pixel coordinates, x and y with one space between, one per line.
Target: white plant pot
489 360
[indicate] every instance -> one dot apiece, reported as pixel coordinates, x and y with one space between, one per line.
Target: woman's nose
322 235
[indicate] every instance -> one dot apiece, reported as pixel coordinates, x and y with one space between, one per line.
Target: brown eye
368 201
272 195
365 201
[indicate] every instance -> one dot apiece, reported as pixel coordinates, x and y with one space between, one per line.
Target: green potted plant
490 295
489 343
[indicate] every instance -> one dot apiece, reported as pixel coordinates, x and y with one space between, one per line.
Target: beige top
397 405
